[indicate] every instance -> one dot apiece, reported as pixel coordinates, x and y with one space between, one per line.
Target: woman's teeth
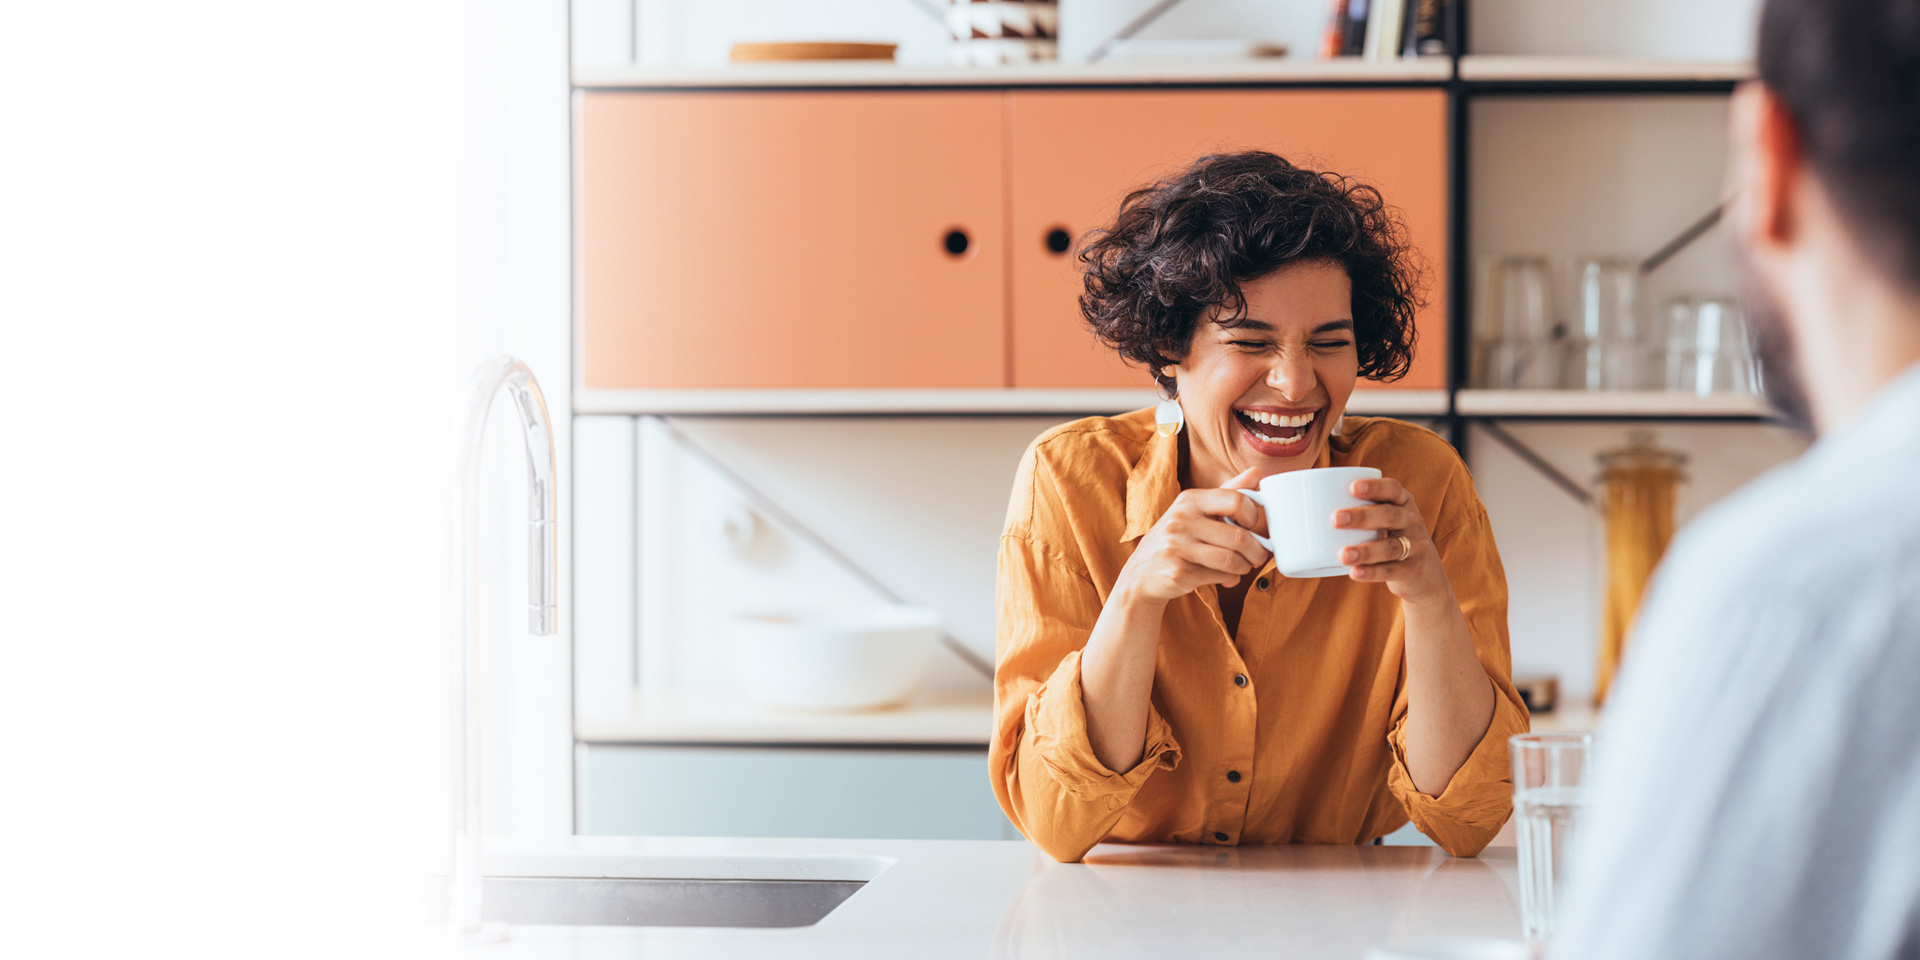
1277 419
1287 428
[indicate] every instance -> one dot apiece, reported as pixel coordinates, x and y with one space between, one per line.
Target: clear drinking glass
1514 347
1707 347
1607 347
1549 792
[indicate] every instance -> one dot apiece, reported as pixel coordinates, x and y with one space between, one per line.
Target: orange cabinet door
756 240
1075 154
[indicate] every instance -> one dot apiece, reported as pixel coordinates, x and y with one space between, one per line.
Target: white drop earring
1339 425
1168 416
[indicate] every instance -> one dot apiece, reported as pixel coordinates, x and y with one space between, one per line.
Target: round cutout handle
956 242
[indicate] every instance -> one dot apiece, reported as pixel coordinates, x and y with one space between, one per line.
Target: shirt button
1233 776
1217 835
1239 679
1263 583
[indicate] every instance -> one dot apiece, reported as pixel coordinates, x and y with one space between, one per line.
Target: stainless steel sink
617 902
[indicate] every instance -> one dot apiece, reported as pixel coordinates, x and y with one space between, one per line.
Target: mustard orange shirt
1289 731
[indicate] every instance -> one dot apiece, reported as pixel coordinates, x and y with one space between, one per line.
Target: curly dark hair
1180 248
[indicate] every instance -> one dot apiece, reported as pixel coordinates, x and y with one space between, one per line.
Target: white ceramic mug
1300 530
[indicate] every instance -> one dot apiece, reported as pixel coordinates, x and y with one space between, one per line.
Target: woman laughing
1158 680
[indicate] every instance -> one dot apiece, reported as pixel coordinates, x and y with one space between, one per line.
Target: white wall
916 502
1673 29
859 481
1576 176
238 317
1551 545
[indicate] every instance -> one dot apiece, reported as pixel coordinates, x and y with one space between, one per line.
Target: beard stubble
1774 352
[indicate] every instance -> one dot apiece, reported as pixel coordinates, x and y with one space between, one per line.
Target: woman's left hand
1410 567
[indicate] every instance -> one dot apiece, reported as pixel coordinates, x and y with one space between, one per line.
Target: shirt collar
1152 485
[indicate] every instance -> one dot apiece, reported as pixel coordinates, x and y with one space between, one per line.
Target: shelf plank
1608 403
1405 403
1224 70
983 401
1493 67
1281 71
858 401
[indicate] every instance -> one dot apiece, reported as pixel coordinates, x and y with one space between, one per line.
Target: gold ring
1406 548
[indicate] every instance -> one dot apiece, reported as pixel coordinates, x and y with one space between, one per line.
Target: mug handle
1249 494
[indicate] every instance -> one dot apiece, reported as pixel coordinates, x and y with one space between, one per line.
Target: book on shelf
1385 29
1333 41
1384 21
1354 39
1426 29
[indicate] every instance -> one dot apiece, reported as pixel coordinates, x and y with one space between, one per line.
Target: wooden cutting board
749 52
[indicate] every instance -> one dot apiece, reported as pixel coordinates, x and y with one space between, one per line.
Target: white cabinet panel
788 792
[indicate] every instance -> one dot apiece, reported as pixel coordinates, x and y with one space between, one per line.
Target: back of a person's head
1849 70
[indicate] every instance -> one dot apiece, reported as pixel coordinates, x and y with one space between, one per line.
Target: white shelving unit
946 723
1599 69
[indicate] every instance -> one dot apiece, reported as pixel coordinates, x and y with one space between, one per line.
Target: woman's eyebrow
1246 323
1249 323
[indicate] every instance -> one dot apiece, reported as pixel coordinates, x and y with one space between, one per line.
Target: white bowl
842 660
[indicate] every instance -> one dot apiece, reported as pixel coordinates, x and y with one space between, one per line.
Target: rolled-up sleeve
1474 805
1046 776
1044 772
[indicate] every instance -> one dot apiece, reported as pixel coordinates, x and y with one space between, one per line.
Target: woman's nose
1292 375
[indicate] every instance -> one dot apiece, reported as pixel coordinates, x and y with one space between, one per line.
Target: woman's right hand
1191 545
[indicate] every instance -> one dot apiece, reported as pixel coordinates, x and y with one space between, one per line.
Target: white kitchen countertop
1573 716
933 898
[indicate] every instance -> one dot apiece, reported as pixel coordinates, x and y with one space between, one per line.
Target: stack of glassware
1697 345
1518 343
1708 348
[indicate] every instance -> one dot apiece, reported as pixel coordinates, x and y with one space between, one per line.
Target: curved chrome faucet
542 561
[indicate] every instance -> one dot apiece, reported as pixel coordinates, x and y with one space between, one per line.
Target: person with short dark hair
1756 792
1157 680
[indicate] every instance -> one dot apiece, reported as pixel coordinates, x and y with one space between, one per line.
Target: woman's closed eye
1261 345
